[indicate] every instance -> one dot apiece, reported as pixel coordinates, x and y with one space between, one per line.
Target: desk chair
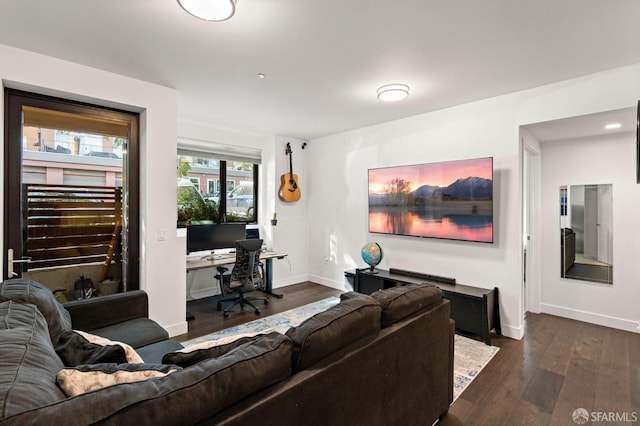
245 277
254 234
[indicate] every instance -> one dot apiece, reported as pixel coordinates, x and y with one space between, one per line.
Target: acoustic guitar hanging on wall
289 190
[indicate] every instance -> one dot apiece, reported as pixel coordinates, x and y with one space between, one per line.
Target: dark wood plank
526 413
69 231
543 389
78 240
613 386
65 252
557 356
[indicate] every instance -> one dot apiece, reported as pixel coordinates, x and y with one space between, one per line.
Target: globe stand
372 269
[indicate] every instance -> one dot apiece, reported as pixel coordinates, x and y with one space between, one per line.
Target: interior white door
591 222
605 222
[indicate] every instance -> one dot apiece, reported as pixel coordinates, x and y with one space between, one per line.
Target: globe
372 254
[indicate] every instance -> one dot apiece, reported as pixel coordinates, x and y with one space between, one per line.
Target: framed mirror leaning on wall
586 233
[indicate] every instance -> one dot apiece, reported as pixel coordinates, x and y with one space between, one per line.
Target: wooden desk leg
269 279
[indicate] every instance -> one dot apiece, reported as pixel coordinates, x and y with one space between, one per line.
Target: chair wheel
219 306
226 314
266 302
257 312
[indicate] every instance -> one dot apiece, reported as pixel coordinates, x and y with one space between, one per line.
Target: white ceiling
324 59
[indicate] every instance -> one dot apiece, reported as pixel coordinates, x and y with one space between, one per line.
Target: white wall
595 160
163 280
337 179
290 234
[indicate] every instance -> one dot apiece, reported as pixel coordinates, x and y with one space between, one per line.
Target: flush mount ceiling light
209 10
393 92
612 126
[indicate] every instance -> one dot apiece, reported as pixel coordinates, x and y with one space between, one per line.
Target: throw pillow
86 378
27 291
212 349
130 353
400 302
74 349
356 316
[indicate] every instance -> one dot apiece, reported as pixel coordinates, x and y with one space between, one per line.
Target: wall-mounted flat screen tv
450 200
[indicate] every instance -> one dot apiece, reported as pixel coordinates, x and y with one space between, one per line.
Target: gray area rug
470 356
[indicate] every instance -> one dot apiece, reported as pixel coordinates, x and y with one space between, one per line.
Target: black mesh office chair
254 234
244 278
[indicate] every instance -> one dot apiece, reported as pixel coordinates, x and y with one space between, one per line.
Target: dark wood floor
559 366
587 272
208 319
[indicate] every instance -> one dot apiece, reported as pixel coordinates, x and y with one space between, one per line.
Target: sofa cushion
86 378
188 396
27 291
74 349
28 361
400 302
136 332
356 316
212 349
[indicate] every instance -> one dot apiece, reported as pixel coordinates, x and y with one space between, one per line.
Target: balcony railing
71 225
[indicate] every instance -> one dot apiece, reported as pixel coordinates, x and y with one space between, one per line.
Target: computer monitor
253 233
214 236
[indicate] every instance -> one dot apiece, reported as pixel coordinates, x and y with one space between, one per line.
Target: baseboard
512 332
338 285
204 292
590 317
177 329
290 281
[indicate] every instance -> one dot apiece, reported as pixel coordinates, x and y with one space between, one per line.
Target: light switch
162 235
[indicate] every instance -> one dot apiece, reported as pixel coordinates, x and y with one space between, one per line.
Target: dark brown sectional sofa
384 359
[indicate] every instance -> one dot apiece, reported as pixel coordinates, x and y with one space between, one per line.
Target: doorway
531 233
71 192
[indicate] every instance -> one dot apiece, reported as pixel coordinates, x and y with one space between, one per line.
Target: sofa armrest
103 311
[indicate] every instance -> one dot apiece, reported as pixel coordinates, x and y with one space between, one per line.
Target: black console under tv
475 310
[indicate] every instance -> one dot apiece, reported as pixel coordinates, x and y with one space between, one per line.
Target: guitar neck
290 163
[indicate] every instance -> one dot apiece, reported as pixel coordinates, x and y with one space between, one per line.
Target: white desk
215 260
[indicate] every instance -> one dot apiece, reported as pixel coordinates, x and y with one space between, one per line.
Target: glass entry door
70 173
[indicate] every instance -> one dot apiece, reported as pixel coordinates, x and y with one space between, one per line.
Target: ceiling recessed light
611 126
261 75
209 10
393 92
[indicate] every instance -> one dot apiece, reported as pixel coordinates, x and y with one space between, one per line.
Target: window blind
220 151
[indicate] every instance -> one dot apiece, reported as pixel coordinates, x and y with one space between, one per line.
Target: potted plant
274 219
